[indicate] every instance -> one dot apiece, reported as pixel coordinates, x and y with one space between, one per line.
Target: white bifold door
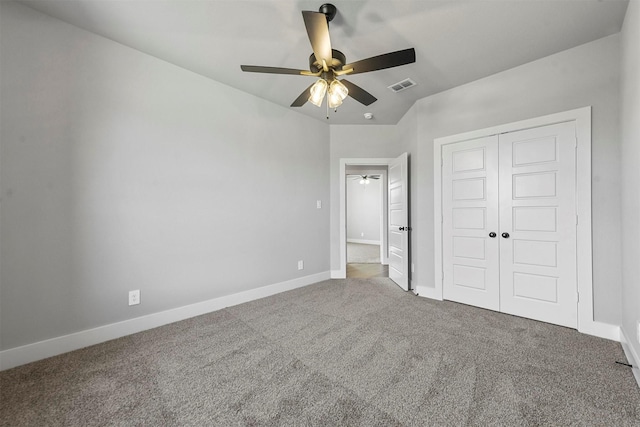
509 223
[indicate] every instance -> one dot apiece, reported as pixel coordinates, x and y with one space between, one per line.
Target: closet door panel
537 188
470 213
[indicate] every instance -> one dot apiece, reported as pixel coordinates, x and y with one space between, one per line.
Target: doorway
395 237
365 204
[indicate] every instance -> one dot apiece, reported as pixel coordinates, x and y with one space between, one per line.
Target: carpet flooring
349 352
363 254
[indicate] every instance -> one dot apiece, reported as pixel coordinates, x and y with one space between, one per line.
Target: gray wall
579 77
631 174
120 171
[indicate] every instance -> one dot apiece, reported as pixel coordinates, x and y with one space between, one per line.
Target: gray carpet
344 352
359 253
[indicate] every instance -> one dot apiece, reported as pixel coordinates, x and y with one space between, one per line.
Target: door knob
492 234
505 235
400 228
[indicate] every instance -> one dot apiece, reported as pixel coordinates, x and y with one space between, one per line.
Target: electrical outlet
318 204
300 265
134 297
361 234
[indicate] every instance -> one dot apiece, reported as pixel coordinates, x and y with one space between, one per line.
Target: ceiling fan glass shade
337 93
317 92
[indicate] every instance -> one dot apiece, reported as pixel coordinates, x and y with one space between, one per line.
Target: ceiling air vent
400 86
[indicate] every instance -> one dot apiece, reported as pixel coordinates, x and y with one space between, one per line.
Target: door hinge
442 274
576 219
441 161
577 296
441 219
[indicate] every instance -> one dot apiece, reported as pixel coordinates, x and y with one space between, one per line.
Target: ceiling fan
364 179
328 64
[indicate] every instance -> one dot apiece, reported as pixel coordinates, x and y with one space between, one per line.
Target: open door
399 221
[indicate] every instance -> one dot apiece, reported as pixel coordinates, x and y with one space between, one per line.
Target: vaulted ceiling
456 42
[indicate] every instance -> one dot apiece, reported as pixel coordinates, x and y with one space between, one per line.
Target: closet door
538 224
470 216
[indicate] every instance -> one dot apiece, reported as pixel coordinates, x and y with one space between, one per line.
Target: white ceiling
456 42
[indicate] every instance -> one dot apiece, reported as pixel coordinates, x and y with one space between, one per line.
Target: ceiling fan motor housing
337 61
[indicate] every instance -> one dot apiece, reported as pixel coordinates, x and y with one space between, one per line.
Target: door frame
342 272
582 119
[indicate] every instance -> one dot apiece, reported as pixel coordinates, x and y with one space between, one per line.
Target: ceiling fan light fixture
337 93
328 63
317 91
337 88
334 100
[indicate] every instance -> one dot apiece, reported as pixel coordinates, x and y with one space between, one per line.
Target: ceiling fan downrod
329 11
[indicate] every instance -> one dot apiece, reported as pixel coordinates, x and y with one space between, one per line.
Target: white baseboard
41 350
601 330
631 354
338 274
364 242
597 329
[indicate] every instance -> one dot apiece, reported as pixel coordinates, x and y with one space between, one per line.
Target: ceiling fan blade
318 32
273 70
359 94
380 62
303 98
